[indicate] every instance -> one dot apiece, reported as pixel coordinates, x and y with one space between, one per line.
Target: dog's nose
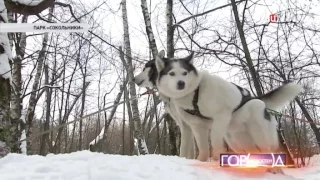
133 79
180 85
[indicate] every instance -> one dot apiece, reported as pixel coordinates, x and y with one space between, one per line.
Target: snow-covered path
86 165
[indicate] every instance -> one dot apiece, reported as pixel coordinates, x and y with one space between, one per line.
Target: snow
144 146
98 138
4 41
28 2
5 69
135 143
3 11
23 145
86 165
5 66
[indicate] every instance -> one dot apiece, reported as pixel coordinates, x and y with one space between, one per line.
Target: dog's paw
275 170
216 153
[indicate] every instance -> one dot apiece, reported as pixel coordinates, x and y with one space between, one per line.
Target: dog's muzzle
180 85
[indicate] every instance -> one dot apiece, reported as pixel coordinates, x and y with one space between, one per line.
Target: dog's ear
160 60
189 58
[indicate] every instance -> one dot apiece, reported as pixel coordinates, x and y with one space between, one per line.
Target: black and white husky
147 78
202 101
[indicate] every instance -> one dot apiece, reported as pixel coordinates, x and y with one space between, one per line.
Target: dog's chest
184 103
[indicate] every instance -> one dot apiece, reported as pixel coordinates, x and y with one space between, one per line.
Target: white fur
288 91
217 99
187 149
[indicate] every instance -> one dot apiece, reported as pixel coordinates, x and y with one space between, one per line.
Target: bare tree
103 133
170 54
6 135
142 147
16 95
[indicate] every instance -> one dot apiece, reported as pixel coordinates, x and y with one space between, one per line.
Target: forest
65 92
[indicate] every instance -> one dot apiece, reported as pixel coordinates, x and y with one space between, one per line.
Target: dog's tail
278 97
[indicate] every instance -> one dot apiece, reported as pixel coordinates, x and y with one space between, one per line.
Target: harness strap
196 111
245 97
243 101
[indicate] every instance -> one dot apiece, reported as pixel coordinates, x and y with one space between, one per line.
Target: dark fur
1 49
245 98
153 73
184 63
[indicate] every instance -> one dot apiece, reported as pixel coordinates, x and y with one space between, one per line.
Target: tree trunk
252 70
313 126
103 133
154 50
46 125
134 103
131 124
83 100
6 135
149 31
170 54
124 115
16 95
33 96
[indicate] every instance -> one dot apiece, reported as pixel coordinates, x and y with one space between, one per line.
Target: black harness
196 111
244 98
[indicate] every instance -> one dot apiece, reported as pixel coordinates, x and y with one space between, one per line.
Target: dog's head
147 78
177 76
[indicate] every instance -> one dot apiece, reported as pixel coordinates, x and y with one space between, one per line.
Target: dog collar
196 111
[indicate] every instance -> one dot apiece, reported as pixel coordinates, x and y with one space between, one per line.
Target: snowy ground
86 165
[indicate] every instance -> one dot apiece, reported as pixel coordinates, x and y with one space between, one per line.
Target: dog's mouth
139 83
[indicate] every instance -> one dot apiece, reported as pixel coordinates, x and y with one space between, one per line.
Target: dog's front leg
191 151
201 135
218 132
186 141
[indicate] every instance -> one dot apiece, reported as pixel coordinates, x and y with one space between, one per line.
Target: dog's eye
171 73
185 73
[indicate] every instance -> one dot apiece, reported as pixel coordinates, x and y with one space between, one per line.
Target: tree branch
204 13
27 9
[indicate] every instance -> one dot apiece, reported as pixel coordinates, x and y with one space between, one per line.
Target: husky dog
147 78
199 94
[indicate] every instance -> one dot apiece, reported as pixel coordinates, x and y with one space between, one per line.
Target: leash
83 117
280 115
